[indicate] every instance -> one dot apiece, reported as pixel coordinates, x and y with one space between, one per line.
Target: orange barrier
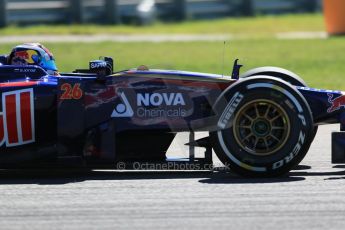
334 11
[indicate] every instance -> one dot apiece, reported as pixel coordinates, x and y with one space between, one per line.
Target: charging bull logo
17 125
336 103
26 55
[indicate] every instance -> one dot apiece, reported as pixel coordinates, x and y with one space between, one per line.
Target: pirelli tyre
282 74
264 127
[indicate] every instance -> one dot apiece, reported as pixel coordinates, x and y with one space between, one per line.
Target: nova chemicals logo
155 105
123 109
158 99
152 105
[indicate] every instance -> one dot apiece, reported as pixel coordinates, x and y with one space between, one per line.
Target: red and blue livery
261 123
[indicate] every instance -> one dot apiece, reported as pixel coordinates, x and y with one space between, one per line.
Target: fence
142 11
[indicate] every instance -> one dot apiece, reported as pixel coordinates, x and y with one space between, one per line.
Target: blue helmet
33 54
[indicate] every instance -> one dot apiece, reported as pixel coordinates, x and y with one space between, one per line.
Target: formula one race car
259 124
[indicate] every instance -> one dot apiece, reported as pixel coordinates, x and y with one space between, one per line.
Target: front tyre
264 128
282 74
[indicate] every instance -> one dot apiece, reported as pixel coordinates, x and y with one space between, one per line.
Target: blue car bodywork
85 119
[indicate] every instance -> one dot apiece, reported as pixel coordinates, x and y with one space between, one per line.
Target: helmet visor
49 65
47 62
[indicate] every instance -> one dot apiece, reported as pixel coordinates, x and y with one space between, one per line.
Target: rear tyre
277 72
265 127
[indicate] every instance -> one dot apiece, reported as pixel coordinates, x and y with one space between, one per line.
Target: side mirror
110 63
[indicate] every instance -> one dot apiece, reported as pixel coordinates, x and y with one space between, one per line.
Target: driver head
33 54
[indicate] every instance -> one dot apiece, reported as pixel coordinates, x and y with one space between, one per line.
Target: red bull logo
26 55
22 54
336 103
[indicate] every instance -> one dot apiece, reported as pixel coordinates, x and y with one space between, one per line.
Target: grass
262 26
319 62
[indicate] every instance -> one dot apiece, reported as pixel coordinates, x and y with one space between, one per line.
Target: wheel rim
261 127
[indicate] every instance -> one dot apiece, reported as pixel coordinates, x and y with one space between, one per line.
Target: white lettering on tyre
293 154
302 118
229 111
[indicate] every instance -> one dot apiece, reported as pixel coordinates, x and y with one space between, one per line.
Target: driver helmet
33 54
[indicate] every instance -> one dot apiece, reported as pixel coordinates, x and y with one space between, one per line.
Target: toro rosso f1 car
261 123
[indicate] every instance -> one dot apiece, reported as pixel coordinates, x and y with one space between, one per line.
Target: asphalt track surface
311 197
